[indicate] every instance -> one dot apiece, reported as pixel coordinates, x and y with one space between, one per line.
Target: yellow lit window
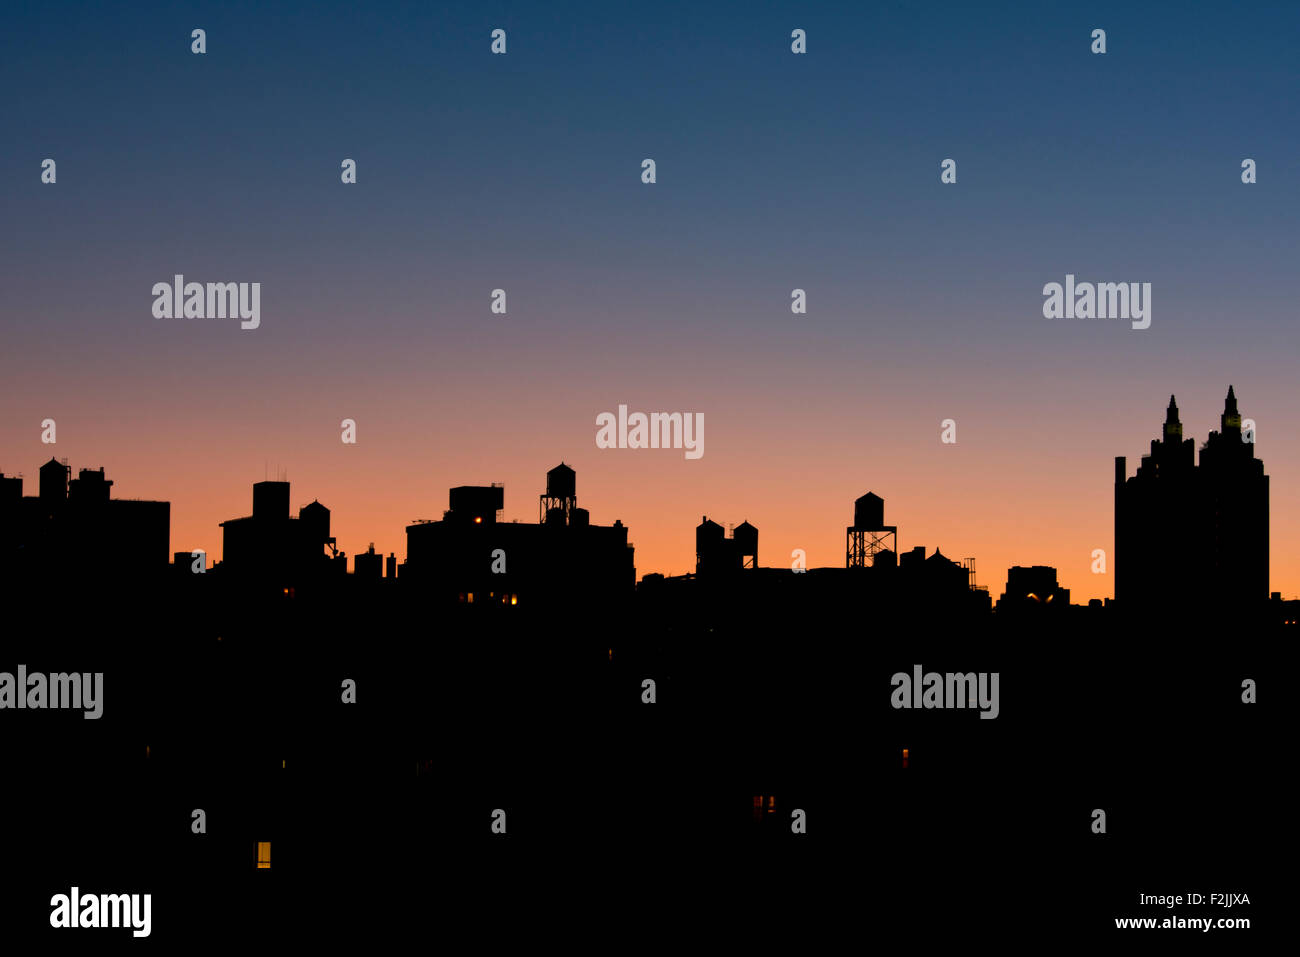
263 854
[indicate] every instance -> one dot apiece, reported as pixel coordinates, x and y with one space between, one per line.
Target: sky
775 171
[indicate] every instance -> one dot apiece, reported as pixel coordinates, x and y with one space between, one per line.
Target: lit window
471 598
514 599
263 854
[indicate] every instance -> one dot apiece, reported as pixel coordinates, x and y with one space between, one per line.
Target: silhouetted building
1031 586
1193 536
183 563
885 586
368 565
469 556
1285 613
89 487
1234 493
943 575
272 548
717 554
270 500
11 494
74 530
475 504
912 559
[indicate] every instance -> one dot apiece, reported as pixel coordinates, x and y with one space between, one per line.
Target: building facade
1191 536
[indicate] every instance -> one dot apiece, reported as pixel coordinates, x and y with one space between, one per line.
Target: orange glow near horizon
1023 486
661 518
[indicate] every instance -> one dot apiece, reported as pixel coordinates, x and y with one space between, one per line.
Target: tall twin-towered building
1190 536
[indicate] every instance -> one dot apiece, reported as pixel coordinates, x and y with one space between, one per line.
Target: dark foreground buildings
272 547
72 530
1191 536
729 585
1033 585
471 557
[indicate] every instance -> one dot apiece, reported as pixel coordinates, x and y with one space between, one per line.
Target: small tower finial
1173 427
1231 418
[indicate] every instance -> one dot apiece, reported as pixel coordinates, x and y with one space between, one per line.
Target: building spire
1231 419
1173 428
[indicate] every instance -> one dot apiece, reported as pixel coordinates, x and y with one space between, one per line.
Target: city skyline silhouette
223 692
1161 516
475 471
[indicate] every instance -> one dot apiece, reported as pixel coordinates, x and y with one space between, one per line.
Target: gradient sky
775 171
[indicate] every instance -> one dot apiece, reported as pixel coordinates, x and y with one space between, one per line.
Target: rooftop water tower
868 536
746 538
561 496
